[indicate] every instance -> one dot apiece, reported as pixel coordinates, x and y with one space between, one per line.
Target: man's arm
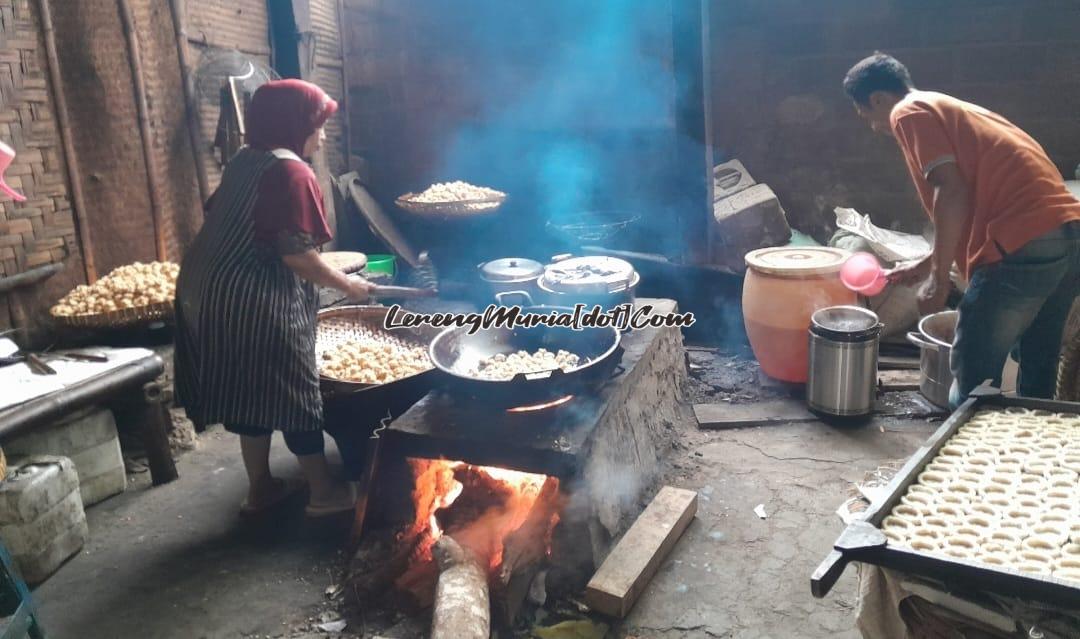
951 211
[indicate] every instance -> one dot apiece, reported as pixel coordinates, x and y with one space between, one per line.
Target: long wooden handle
405 292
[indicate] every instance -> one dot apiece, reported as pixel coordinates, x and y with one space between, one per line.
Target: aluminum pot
842 369
595 280
935 339
510 274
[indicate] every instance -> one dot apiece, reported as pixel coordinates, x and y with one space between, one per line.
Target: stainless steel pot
595 280
842 376
511 274
935 339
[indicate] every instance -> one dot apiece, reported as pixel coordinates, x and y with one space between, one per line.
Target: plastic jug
7 154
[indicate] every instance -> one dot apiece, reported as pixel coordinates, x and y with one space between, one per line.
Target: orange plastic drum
782 289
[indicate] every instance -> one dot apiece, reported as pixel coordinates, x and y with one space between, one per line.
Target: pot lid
845 319
797 261
589 274
510 269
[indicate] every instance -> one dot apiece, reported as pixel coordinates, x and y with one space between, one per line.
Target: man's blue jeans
1018 305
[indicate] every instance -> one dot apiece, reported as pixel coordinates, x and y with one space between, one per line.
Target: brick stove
605 450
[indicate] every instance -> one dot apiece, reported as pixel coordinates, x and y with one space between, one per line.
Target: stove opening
539 407
505 517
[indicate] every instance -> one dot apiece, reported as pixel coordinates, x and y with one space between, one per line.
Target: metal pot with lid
511 274
590 280
842 369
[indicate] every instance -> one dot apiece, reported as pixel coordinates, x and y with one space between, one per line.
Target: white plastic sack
888 245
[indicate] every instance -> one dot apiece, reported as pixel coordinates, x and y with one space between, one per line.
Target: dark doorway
284 38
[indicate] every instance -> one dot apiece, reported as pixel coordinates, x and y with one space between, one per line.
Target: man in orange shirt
1000 210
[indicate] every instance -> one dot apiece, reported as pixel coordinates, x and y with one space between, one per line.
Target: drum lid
797 261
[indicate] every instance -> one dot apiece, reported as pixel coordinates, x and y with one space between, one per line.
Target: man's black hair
879 72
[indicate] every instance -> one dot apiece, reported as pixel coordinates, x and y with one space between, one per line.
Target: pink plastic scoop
7 154
863 274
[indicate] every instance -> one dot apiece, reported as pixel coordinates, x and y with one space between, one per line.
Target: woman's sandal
287 489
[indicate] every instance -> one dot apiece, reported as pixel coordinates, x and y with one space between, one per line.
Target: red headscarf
284 113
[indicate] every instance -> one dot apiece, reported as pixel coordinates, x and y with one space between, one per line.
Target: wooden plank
776 411
631 565
904 404
899 380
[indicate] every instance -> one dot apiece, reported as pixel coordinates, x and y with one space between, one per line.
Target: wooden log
627 570
524 552
191 108
899 380
63 120
143 114
462 609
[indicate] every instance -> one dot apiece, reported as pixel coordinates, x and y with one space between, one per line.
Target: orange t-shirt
1017 194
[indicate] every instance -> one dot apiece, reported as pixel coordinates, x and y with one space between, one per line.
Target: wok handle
921 342
827 574
499 297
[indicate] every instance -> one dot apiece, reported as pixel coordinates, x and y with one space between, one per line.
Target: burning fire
538 407
495 503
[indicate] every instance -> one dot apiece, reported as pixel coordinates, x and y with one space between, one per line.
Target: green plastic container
380 263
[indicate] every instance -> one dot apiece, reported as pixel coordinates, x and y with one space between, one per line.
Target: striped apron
245 323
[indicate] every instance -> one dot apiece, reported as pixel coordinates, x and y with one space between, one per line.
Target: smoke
573 102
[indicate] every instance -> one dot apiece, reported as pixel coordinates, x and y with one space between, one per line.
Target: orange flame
437 489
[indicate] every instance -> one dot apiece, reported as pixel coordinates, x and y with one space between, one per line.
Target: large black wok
454 353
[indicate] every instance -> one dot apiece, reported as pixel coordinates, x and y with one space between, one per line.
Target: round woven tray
335 326
462 209
346 261
162 311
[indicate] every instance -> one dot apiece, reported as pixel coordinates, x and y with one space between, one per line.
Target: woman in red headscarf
247 298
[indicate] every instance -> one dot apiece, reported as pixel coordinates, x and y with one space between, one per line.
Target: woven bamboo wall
242 25
329 76
98 85
41 230
174 162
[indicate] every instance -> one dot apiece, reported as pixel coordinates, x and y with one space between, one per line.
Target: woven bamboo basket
125 317
459 209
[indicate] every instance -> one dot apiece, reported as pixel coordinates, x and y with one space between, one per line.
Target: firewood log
462 608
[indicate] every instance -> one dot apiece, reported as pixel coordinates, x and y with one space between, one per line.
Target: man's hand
908 273
933 294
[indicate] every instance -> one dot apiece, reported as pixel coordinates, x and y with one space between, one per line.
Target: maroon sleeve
288 213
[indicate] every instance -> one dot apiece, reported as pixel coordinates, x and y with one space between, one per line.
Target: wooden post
344 111
155 435
141 107
78 204
191 108
693 124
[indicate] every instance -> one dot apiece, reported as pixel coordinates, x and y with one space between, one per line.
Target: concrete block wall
778 105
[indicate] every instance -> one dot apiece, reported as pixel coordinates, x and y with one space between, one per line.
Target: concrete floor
176 561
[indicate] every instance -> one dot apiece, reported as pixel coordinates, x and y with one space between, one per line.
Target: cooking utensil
589 280
842 370
401 292
511 274
455 353
934 339
446 211
592 226
863 274
368 318
864 542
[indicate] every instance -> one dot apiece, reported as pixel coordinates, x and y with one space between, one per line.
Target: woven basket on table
1068 383
159 312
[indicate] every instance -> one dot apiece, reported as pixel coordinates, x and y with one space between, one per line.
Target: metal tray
863 541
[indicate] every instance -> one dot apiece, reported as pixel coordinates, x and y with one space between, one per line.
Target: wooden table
130 388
